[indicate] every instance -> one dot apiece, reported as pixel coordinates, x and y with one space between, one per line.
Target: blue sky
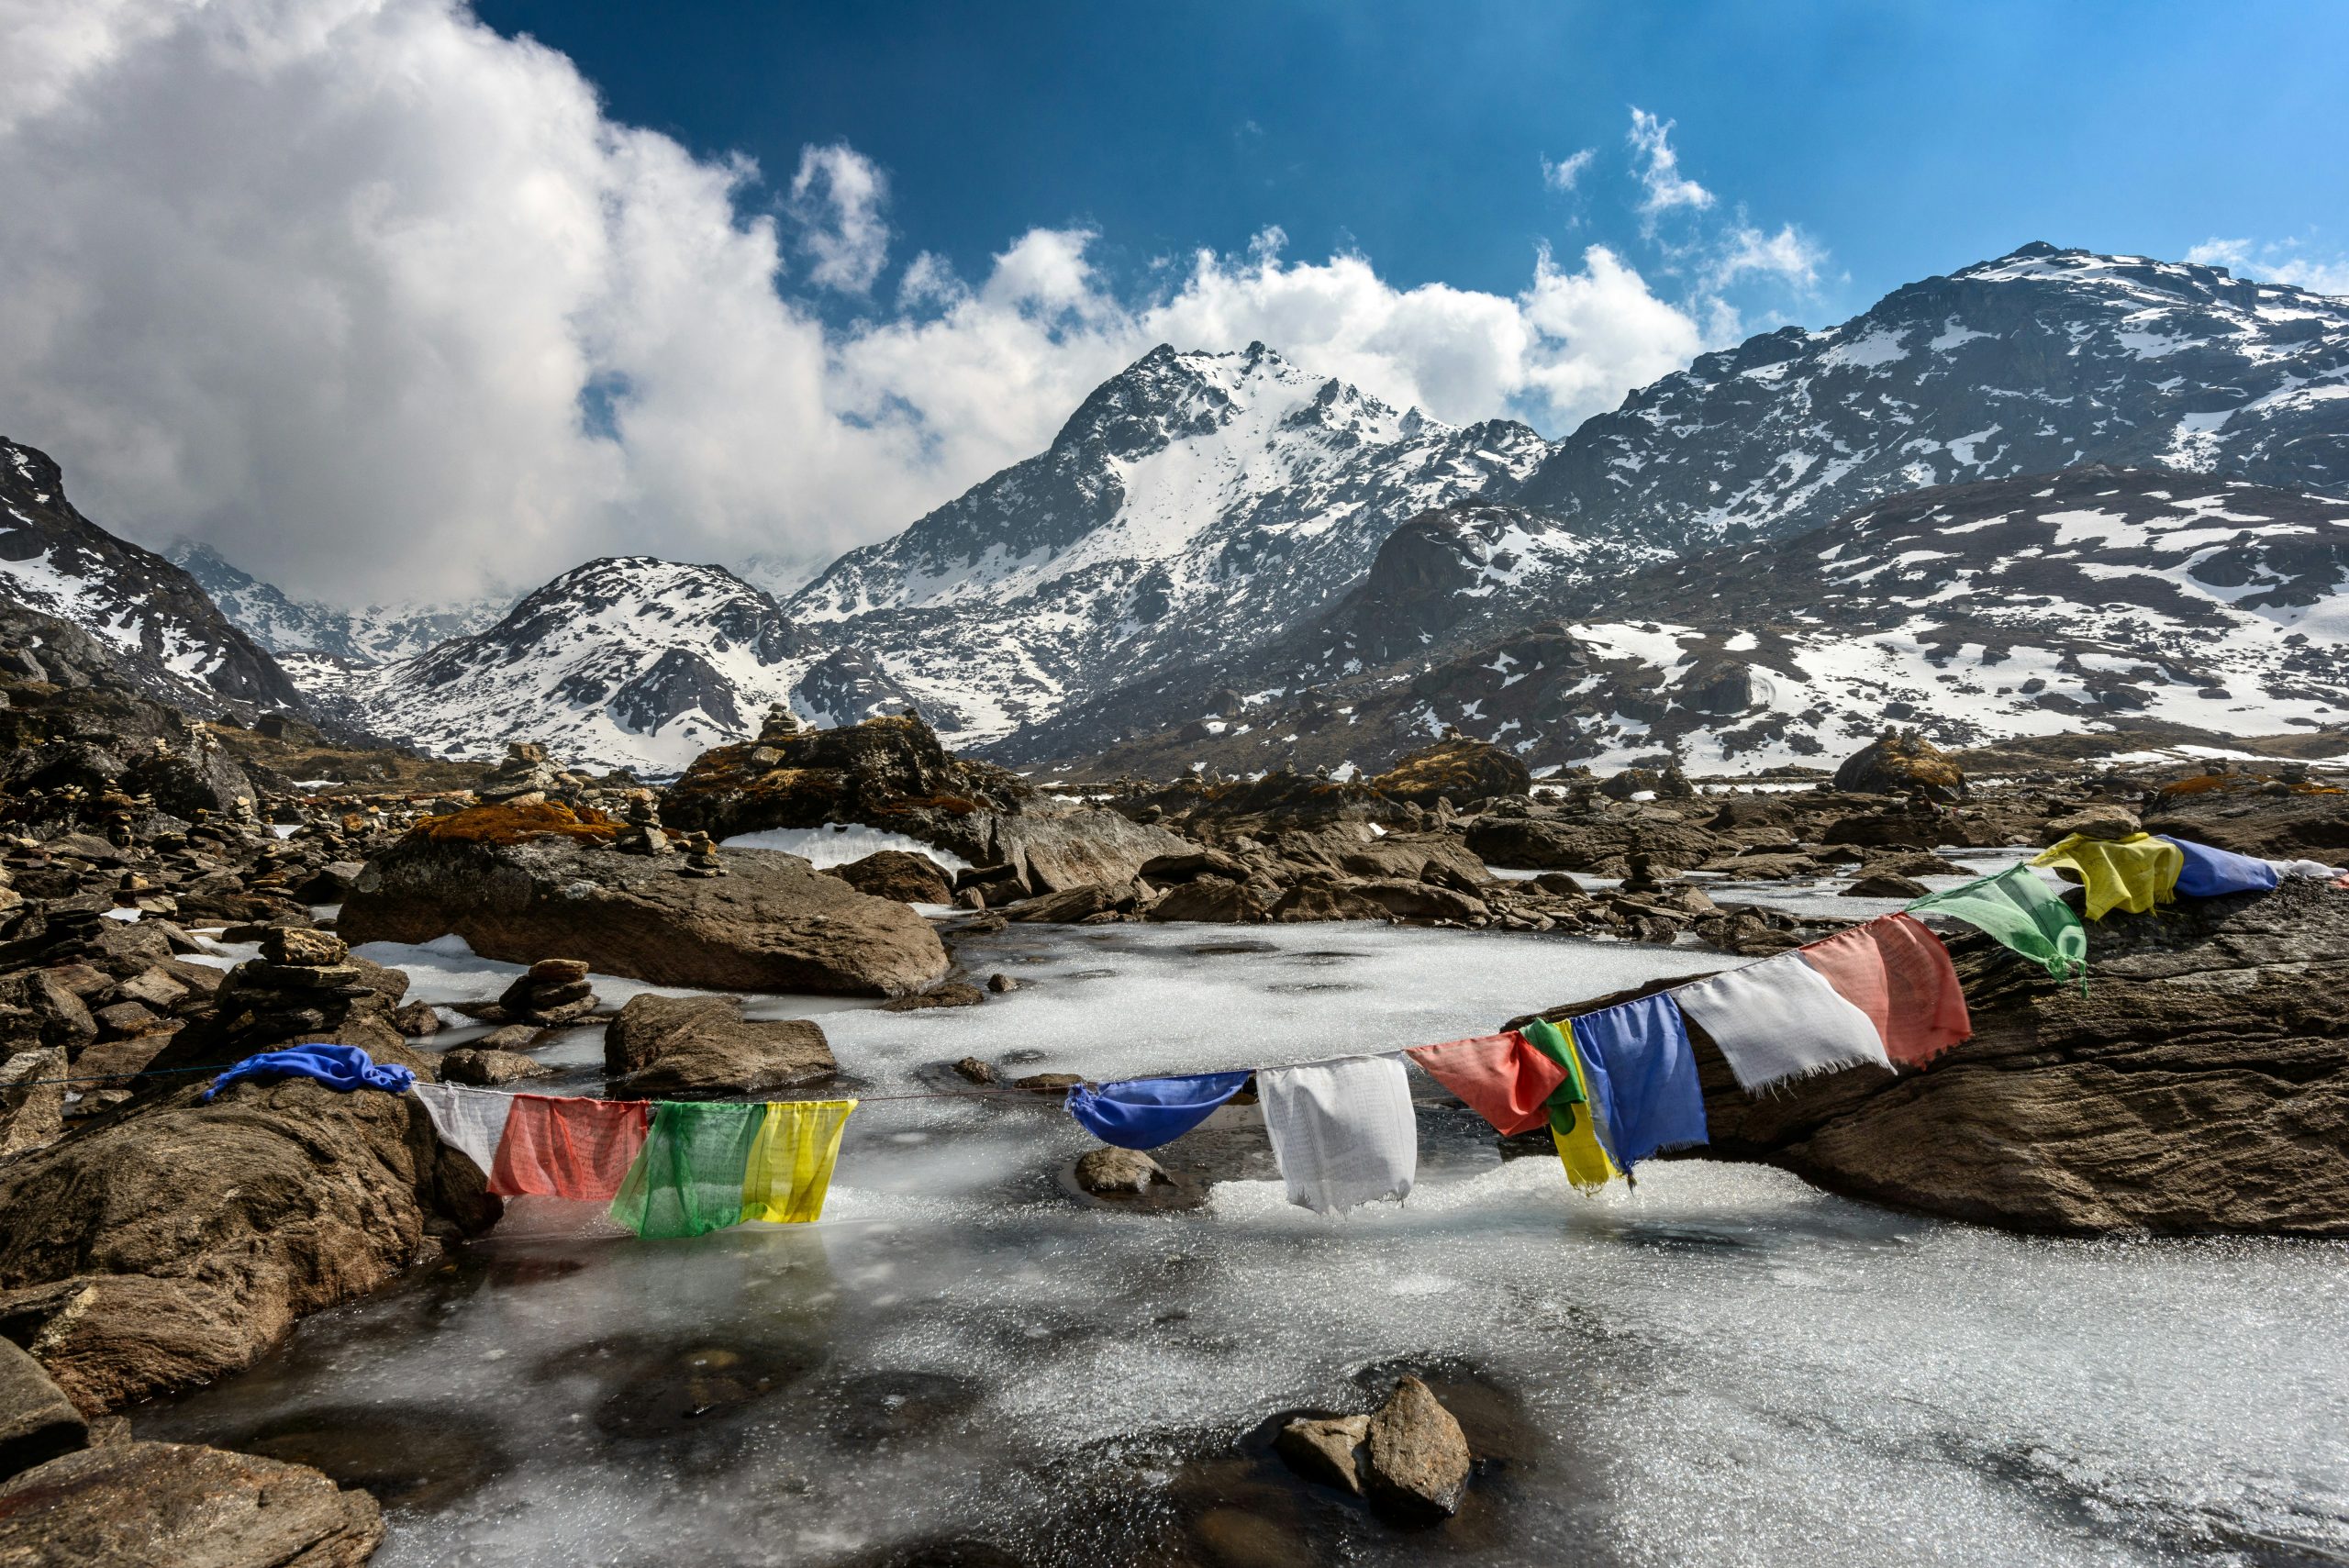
1904 139
453 297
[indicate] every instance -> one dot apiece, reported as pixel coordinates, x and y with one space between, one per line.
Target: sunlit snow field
1724 1367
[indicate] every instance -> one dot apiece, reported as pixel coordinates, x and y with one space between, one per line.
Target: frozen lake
1725 1366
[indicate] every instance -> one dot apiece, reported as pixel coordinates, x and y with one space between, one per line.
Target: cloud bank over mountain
357 290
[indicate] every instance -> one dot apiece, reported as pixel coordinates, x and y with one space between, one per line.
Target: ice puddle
1726 1367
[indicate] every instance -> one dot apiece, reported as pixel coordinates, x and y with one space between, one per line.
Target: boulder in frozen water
1415 1458
702 1047
184 1504
774 923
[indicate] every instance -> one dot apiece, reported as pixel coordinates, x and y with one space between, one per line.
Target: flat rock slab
696 1047
186 1505
773 923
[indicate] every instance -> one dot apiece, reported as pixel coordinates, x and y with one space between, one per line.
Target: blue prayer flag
1142 1113
341 1067
1641 1070
2210 873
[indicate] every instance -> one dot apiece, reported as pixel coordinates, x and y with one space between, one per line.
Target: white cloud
2281 262
1659 169
837 196
380 303
1562 175
1789 256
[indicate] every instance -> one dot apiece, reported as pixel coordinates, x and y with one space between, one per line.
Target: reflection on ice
1724 1366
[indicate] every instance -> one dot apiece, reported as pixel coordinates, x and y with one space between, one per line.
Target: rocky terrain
278 1200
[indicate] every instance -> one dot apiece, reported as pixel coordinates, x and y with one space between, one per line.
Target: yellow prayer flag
790 1168
2133 874
1579 1151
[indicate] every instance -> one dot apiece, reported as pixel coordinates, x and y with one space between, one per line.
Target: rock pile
1408 1457
550 993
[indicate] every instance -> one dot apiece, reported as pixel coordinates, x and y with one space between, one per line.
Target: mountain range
2055 489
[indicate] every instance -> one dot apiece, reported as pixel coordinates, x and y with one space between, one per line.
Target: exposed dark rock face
57 563
900 874
37 1423
770 923
1901 761
1457 769
2276 821
847 687
2201 1084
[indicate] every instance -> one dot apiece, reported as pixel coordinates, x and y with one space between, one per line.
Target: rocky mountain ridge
174 642
376 634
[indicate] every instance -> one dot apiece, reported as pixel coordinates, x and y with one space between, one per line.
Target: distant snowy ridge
374 635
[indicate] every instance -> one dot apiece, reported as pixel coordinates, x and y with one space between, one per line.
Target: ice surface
1726 1366
837 843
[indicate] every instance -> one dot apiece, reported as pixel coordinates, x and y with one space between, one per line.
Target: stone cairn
552 992
303 985
644 835
526 777
701 856
779 725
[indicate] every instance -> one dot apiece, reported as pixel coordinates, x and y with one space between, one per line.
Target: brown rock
37 1422
153 988
2095 822
953 994
1459 769
489 1068
1210 899
1415 1457
417 1021
974 1071
32 1099
123 1020
900 874
1074 904
37 1008
1001 983
772 924
1901 761
1325 1449
302 945
1109 1168
702 1047
188 1507
1324 899
1053 1084
1884 884
2296 824
175 1245
549 971
511 1038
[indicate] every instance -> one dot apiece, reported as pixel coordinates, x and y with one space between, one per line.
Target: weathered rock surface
900 874
2201 1084
32 1099
1113 1170
37 1422
1325 1449
772 923
1900 760
1457 769
695 1047
177 1504
2276 821
1415 1456
168 1247
490 1068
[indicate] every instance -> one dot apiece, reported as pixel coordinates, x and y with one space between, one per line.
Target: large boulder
1456 769
1900 761
156 1251
697 1046
2200 1083
772 923
183 1505
1599 845
1056 848
2256 818
900 874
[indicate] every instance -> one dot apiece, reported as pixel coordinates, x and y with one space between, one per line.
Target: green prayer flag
687 1179
1546 1038
2018 910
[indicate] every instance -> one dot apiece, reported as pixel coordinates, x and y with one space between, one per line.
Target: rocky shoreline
150 1242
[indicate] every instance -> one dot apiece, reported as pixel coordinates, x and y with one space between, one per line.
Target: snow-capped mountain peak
374 635
1194 497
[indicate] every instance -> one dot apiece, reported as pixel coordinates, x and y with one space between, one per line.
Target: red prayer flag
1502 1076
1898 972
568 1146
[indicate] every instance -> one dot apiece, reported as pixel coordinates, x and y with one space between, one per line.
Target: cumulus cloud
1658 167
837 198
2281 262
382 304
1562 175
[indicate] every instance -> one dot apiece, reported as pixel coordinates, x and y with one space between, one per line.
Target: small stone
513 1036
999 983
559 971
1109 1168
417 1019
1417 1456
976 1071
2096 822
1047 1082
953 994
1886 884
302 945
488 1068
1323 1449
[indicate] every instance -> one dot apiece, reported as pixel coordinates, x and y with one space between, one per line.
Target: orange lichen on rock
517 824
